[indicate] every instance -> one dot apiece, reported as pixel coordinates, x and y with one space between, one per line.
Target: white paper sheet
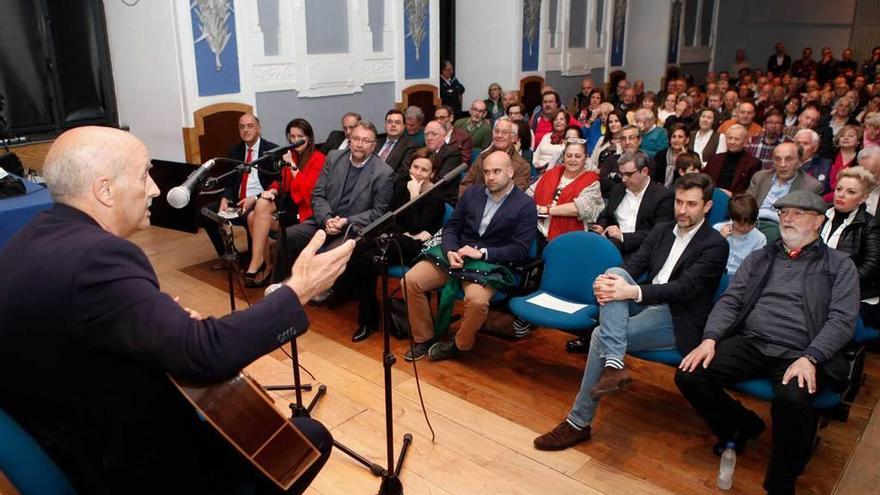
550 302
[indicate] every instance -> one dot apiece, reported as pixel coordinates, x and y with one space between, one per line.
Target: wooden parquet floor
487 406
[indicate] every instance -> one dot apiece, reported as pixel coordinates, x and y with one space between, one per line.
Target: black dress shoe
754 427
577 346
362 333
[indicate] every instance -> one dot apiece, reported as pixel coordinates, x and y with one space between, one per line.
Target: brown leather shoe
611 380
562 437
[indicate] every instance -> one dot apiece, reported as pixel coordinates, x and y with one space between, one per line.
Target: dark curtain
24 76
54 65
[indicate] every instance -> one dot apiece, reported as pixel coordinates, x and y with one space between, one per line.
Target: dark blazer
692 284
747 166
658 170
510 233
370 197
861 240
820 169
86 340
334 139
239 152
775 67
449 158
401 154
656 207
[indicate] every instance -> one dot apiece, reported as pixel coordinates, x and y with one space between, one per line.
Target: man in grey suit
768 186
354 189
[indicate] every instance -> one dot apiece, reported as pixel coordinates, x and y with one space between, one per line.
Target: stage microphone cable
412 343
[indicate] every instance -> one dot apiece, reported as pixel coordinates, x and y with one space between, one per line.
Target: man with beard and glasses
789 310
682 263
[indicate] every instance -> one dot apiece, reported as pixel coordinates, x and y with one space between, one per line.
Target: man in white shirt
684 261
635 206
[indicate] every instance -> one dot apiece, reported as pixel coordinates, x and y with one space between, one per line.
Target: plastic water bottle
728 463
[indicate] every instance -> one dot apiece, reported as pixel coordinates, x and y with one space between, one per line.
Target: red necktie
247 159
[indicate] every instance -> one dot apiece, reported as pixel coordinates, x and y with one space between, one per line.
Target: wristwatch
811 359
485 253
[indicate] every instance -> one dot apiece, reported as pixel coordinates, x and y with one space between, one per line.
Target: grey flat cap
804 200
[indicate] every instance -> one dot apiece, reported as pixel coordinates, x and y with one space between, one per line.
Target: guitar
244 414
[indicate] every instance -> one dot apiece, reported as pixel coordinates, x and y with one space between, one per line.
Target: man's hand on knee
805 371
702 355
611 287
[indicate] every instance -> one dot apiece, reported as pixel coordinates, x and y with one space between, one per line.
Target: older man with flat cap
789 310
90 320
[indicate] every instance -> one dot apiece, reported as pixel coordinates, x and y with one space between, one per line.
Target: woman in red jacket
297 181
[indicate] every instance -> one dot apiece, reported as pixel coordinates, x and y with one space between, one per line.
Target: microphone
452 174
276 152
178 197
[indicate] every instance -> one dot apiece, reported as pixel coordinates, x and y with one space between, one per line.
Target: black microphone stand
297 409
391 484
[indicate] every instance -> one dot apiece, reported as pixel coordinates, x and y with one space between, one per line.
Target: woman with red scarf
568 197
297 181
552 142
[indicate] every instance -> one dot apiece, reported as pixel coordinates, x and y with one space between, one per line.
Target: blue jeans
623 325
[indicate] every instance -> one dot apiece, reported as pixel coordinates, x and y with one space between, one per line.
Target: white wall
146 74
487 46
756 26
647 41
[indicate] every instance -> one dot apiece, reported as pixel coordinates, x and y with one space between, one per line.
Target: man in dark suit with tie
242 188
635 206
338 140
449 157
494 223
396 148
92 323
684 261
354 189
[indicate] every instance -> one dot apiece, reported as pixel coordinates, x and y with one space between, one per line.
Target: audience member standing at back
450 89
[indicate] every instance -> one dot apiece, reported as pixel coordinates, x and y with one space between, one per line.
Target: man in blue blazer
494 222
87 339
683 261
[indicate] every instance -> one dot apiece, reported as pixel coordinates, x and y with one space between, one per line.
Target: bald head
498 172
104 173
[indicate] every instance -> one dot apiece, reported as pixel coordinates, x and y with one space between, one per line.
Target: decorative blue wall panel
531 35
417 39
216 51
618 33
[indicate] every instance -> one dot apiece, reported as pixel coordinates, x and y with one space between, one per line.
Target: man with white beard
789 310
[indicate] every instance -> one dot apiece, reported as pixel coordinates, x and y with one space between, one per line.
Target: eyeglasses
630 138
502 132
358 140
794 213
628 174
575 141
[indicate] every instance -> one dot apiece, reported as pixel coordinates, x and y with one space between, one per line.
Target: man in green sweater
477 126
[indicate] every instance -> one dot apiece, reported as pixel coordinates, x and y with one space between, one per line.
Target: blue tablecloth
17 211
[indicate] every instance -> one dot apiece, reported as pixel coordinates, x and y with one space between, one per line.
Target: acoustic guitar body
246 417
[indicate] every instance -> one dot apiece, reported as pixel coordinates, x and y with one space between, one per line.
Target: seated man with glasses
354 189
504 136
767 186
477 126
635 206
789 310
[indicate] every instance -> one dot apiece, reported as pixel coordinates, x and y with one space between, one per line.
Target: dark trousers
213 230
871 314
230 473
794 420
297 238
362 273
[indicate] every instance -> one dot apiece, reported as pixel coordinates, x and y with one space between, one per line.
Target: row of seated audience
644 184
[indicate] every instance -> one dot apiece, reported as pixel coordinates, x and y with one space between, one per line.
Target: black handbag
399 318
11 186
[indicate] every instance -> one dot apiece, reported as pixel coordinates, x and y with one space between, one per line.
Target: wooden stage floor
487 407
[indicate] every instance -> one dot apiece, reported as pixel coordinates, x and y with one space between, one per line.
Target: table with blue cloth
17 211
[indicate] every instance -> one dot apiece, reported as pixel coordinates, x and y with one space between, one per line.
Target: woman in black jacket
410 230
851 229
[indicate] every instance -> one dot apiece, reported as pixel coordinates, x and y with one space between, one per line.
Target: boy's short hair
688 160
743 208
